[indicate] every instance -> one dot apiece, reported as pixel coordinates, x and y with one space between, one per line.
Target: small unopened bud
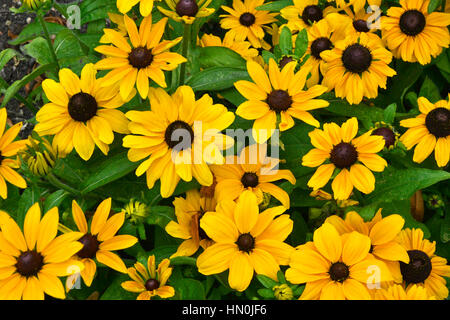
283 292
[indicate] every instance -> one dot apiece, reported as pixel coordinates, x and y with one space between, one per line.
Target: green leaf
217 78
275 5
55 199
301 43
389 113
111 169
67 45
160 215
7 55
266 293
189 289
266 281
116 292
29 197
220 57
432 6
430 91
360 111
285 42
38 49
33 30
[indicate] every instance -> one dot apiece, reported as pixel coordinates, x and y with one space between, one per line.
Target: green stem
185 44
49 40
61 185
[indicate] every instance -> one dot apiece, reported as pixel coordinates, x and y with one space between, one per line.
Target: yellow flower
39 156
398 292
189 213
136 211
100 239
187 11
118 19
429 131
145 58
382 233
344 151
150 282
283 292
34 4
33 260
244 21
413 34
145 6
241 47
277 94
252 170
335 267
425 269
246 241
179 137
8 149
356 67
81 113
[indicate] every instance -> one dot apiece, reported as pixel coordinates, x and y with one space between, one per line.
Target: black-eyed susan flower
179 137
398 292
361 21
33 260
244 21
356 67
9 149
344 151
99 239
146 57
243 48
81 113
335 267
277 97
321 36
150 281
252 170
189 212
413 34
145 6
429 131
425 268
246 241
383 234
187 11
389 134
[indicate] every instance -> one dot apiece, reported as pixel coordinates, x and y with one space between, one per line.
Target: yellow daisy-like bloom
398 292
356 67
118 20
425 269
150 282
9 149
145 58
34 4
321 36
244 21
145 6
335 267
429 131
81 113
344 151
413 34
241 47
33 260
189 213
382 233
187 11
179 136
246 241
252 170
277 94
99 239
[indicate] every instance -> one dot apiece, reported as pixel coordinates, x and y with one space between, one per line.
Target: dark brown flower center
284 61
279 100
179 134
201 233
90 246
387 134
151 284
312 14
343 155
319 45
418 269
360 25
246 242
1 157
250 179
438 122
29 263
247 19
82 107
339 272
140 57
412 22
187 8
356 58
